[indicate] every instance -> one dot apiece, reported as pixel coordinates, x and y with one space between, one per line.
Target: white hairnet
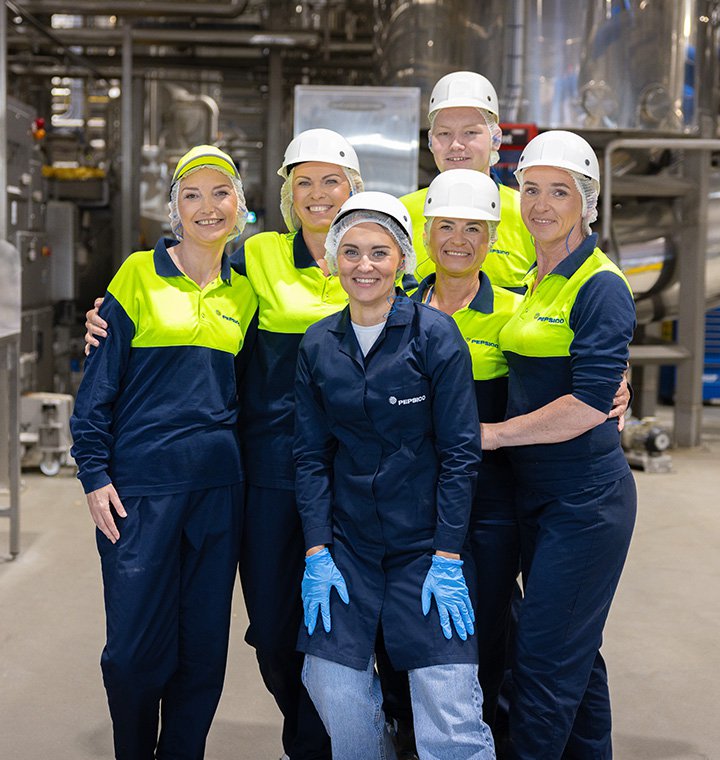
491 123
176 224
337 232
292 221
491 228
589 190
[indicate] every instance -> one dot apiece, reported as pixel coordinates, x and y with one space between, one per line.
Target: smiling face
458 246
318 191
551 207
207 206
460 140
368 260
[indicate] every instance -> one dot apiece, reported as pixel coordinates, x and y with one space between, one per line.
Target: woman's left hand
621 402
445 581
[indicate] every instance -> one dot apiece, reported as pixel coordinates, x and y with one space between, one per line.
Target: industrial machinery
103 102
646 445
45 431
10 390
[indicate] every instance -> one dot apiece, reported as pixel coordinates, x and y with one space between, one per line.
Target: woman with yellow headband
155 441
287 271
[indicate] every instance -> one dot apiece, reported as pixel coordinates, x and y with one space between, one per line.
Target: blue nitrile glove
446 582
320 576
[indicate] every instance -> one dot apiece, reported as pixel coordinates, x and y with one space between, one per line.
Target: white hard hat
561 149
463 194
319 145
372 200
461 89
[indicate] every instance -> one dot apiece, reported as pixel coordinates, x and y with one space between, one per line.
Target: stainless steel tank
596 64
605 68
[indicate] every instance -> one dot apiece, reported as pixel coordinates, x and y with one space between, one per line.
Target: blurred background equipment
646 444
98 101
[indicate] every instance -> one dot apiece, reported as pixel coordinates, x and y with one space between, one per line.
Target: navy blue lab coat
387 448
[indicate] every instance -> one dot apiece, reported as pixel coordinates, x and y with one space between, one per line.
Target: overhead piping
235 37
139 8
18 10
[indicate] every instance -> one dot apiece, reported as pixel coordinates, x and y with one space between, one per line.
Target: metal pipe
13 393
134 8
51 35
692 272
273 153
514 70
675 143
126 215
161 35
3 124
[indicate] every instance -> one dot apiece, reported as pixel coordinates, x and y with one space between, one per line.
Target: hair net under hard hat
589 190
337 232
292 221
493 127
176 224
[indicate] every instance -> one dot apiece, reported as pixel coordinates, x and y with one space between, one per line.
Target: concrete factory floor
661 640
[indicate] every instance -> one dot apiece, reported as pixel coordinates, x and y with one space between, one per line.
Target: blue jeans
446 702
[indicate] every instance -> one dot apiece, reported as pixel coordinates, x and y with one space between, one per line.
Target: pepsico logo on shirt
550 320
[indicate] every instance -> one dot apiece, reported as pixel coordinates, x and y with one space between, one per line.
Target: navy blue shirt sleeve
314 452
91 422
457 432
603 321
237 261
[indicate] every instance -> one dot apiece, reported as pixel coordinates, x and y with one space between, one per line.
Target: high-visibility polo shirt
156 411
293 293
571 336
480 323
510 258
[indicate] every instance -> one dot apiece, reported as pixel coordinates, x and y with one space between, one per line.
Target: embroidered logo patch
403 401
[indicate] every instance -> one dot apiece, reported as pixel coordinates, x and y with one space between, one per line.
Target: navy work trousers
168 586
272 561
573 550
495 545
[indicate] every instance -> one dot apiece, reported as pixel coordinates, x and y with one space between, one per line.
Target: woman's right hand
321 575
100 502
95 325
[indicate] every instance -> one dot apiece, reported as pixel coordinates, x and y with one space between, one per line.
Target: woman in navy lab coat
387 447
566 348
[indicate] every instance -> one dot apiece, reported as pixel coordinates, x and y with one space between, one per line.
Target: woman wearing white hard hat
295 289
567 349
387 447
464 134
463 210
168 511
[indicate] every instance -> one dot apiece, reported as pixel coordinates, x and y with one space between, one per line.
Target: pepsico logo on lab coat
402 401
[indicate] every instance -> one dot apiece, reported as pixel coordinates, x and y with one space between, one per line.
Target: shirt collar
166 267
399 313
570 264
483 301
301 253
